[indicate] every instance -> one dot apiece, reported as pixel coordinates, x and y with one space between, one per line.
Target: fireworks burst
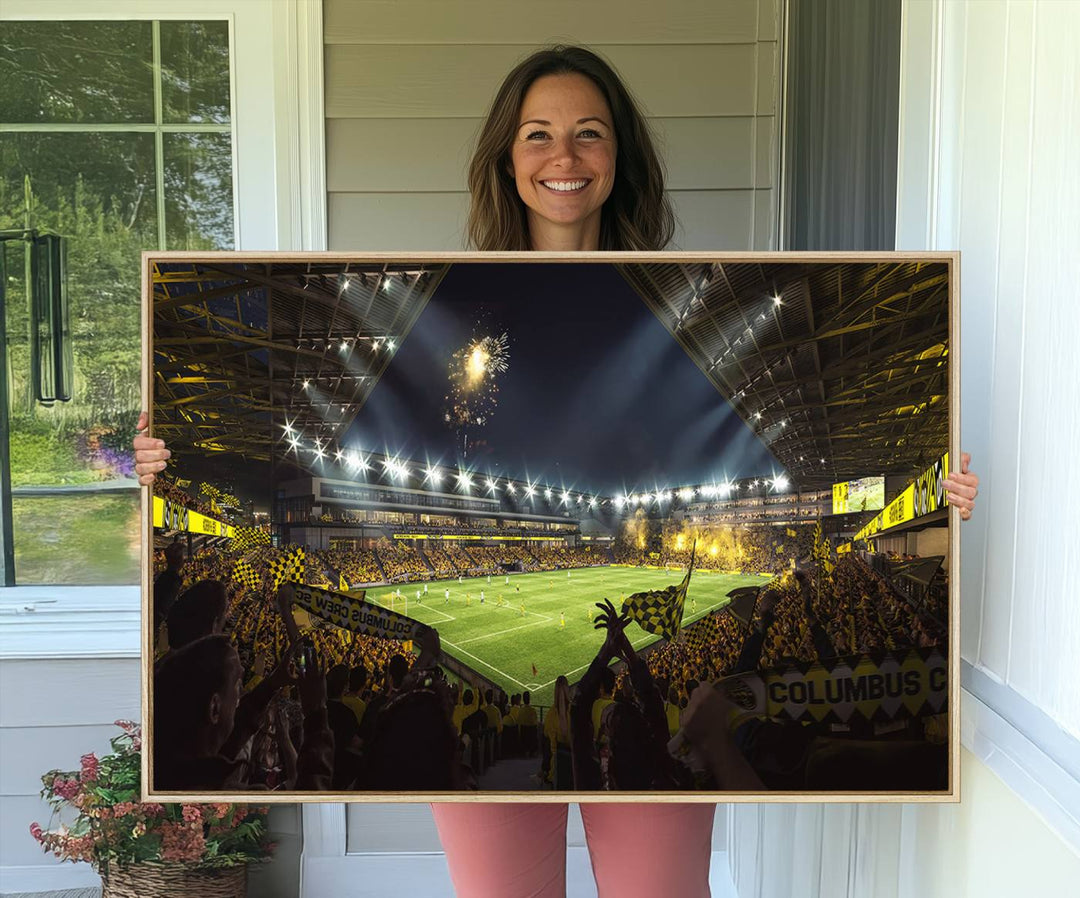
474 389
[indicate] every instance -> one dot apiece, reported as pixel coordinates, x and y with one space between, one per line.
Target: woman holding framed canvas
565 163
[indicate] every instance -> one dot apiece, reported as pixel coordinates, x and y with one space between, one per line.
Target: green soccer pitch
499 642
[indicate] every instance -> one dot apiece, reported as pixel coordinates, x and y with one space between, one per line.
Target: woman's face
563 160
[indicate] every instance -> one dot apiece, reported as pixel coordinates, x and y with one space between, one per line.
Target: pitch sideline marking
487 665
510 630
576 669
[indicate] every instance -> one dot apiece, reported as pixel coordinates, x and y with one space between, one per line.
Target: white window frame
279 198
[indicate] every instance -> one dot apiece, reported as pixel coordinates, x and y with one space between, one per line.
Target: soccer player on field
425 589
507 579
447 594
481 597
522 609
562 620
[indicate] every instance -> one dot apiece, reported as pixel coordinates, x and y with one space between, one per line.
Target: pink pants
519 850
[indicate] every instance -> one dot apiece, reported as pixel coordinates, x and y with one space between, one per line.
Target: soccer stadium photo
628 524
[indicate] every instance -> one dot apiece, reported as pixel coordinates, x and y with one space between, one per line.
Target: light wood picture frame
298 394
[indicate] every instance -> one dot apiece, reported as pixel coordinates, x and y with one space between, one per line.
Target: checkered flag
660 611
244 574
246 537
289 568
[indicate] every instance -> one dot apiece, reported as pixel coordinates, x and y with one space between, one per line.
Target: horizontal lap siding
408 84
524 22
52 713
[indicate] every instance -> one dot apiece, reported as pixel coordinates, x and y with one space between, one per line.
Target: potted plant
146 849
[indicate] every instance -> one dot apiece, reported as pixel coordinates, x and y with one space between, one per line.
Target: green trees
116 136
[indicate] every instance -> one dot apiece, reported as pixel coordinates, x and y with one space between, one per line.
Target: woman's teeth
564 186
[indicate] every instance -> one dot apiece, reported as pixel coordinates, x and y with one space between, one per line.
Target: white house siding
52 712
408 83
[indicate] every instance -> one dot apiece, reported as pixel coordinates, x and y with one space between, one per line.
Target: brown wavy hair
636 216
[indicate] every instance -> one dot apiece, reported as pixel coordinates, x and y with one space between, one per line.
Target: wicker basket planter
148 880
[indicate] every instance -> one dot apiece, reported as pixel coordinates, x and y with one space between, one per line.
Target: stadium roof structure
841 369
243 350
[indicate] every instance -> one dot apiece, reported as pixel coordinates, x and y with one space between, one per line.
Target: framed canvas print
604 526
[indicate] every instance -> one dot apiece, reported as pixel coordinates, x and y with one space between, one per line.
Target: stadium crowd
742 549
293 732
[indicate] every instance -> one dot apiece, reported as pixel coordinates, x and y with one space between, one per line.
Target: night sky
598 396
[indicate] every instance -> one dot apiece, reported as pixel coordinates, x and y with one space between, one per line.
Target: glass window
118 137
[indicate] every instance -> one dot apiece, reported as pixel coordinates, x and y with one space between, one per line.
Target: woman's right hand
150 454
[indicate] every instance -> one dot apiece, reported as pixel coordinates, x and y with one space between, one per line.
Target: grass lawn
502 644
77 540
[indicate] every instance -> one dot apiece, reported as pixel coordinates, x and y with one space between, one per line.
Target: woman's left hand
151 456
962 487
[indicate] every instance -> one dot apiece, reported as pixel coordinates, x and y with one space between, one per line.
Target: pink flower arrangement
89 771
113 827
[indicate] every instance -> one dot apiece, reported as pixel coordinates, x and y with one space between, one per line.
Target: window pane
81 540
98 191
198 191
195 71
76 72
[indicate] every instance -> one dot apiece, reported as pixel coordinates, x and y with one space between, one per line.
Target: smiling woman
563 117
563 160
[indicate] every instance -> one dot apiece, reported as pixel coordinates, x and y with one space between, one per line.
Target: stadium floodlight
294 443
386 284
757 416
565 497
374 345
491 485
463 479
686 494
288 427
319 454
777 300
338 454
344 346
780 483
510 489
547 493
433 476
306 382
530 491
592 502
390 344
